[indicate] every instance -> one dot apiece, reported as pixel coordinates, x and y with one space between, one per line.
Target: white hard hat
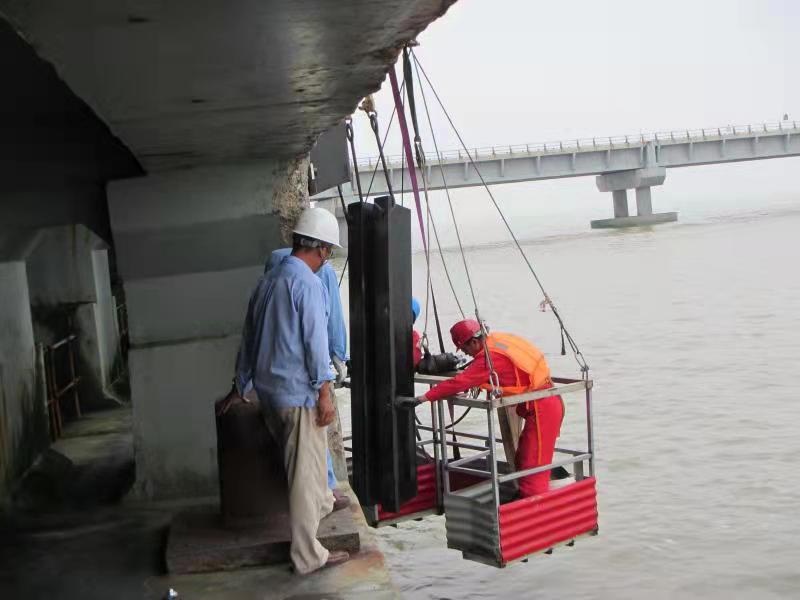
318 224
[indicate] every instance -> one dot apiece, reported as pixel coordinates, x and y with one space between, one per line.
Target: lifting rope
420 155
415 188
401 120
361 197
584 367
449 202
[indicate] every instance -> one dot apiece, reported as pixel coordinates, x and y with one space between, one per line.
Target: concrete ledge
364 577
620 222
199 543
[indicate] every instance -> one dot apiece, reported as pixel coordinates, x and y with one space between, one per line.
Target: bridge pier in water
618 183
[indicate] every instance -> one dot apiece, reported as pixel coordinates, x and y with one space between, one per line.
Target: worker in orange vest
520 368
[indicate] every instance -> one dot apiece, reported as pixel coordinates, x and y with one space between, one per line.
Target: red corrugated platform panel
426 492
537 523
424 500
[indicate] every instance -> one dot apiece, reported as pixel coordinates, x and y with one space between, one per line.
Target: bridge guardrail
596 143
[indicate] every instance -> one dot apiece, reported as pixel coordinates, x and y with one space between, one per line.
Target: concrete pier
619 182
191 245
637 221
644 201
620 203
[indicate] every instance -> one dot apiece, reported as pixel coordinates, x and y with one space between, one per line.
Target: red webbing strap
412 171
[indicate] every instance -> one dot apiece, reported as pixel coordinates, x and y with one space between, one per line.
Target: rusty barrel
252 480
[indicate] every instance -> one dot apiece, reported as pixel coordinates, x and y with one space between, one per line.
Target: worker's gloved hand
341 370
433 364
409 401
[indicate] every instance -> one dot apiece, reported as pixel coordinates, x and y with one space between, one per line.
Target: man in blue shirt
284 354
337 348
337 328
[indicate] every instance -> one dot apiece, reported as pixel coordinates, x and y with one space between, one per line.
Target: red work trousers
538 441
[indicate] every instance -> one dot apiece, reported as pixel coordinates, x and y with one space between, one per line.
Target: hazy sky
514 71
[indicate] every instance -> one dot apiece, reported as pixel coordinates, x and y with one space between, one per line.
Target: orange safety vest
525 357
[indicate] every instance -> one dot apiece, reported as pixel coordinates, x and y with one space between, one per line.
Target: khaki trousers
304 457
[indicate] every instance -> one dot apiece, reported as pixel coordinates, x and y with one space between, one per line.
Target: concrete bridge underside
177 132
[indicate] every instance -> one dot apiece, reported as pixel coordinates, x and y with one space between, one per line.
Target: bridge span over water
619 163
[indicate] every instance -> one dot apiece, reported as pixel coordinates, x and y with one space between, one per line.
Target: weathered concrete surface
199 542
364 576
173 390
234 80
23 416
68 280
117 553
191 245
290 194
54 151
91 465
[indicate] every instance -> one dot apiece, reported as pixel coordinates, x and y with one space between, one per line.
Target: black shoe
559 473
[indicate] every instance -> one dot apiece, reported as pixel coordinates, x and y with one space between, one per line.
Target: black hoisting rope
348 129
361 197
385 137
373 123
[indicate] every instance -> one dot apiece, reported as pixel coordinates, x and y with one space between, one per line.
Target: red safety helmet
464 331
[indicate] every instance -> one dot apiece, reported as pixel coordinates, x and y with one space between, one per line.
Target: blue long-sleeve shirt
337 329
284 347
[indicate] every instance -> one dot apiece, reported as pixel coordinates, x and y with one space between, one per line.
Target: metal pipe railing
599 143
55 390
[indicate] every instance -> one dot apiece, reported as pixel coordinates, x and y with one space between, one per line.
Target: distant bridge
620 163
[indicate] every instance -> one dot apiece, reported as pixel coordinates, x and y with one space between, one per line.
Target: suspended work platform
404 469
486 523
477 492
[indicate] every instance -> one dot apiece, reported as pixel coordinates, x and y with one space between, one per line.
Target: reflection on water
692 332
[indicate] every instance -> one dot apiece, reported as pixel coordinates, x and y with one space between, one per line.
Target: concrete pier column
644 202
619 182
620 203
190 246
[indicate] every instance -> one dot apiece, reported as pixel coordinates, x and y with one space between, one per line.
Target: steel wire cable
449 202
362 198
385 137
573 345
431 223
